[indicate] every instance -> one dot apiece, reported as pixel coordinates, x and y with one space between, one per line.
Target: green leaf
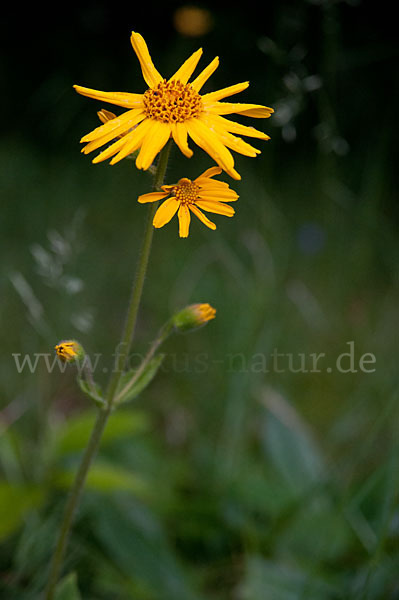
32 550
15 503
67 589
105 477
94 392
259 488
142 382
318 532
133 539
289 443
74 434
278 581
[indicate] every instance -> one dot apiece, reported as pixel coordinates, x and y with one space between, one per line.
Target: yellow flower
203 193
174 108
69 350
193 316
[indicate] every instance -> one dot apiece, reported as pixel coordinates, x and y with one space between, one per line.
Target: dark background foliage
235 475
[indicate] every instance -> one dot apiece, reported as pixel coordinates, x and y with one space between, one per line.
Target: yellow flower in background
69 350
174 108
204 193
192 21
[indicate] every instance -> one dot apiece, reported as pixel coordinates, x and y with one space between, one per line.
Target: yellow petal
152 197
233 127
165 212
187 69
205 74
127 119
206 182
229 140
237 144
202 217
208 141
167 188
216 207
155 139
211 184
119 98
133 141
122 129
211 172
105 115
249 110
179 132
223 93
184 220
223 195
111 150
150 74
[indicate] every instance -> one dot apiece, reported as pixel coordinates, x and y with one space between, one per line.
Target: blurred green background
234 475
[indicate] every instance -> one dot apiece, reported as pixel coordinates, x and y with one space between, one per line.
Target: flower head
203 193
174 108
193 316
69 350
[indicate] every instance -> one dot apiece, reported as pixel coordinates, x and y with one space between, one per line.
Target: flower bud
69 351
193 316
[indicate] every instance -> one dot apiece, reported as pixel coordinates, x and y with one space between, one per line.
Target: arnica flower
174 108
203 193
69 350
193 316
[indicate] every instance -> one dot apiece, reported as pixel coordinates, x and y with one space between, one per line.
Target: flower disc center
172 102
186 191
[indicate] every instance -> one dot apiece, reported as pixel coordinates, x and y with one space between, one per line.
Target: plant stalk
104 412
137 289
73 500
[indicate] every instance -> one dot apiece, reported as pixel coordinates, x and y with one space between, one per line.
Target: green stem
73 500
104 412
131 318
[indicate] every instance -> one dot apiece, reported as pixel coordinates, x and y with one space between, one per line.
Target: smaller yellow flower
203 193
69 350
194 316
